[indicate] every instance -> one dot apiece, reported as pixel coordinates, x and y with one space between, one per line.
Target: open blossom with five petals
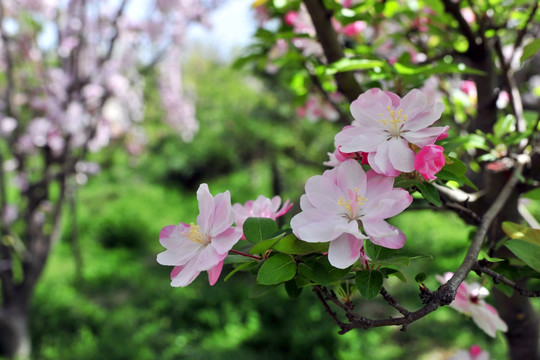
470 300
261 207
202 247
385 125
345 205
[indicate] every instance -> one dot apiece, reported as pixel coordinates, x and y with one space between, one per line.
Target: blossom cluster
346 205
192 248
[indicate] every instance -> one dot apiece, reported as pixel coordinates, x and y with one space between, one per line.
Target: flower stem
246 254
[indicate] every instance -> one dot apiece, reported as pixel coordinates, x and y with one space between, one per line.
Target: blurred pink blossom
474 353
470 300
261 207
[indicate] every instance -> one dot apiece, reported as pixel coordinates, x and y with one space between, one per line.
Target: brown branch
112 42
523 31
333 51
498 278
515 96
393 302
9 65
452 8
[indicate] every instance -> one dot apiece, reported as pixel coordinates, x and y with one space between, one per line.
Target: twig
333 50
245 254
393 302
523 31
503 279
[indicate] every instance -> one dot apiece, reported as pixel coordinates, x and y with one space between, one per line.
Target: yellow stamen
195 234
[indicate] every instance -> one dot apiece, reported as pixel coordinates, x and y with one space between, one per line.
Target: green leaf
245 266
315 272
237 259
484 255
369 283
420 277
277 269
264 245
292 289
393 272
348 64
526 251
533 194
530 49
291 245
520 232
430 193
258 229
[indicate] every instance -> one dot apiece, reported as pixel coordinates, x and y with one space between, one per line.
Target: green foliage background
103 296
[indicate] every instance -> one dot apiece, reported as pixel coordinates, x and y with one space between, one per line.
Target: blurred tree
71 82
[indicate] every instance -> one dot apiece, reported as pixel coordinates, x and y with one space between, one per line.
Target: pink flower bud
429 161
354 29
291 17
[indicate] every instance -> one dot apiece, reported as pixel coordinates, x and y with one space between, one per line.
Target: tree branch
446 293
333 51
498 278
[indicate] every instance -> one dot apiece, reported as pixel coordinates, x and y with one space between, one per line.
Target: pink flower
354 28
474 353
203 247
344 203
470 300
429 161
262 207
317 108
384 126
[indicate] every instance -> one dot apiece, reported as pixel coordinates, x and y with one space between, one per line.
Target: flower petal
344 251
206 208
185 275
401 155
213 273
383 234
487 320
224 242
424 137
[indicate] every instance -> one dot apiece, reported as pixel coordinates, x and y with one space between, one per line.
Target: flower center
352 203
393 121
195 235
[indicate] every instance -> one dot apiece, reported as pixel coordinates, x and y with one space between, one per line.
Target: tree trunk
15 332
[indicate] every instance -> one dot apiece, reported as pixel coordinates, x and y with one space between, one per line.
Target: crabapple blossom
474 353
385 125
202 247
470 300
429 161
317 108
337 157
345 205
261 207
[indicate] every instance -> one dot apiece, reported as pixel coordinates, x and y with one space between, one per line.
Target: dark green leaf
242 267
393 272
291 245
430 193
276 269
420 277
292 289
369 283
264 245
315 272
258 229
